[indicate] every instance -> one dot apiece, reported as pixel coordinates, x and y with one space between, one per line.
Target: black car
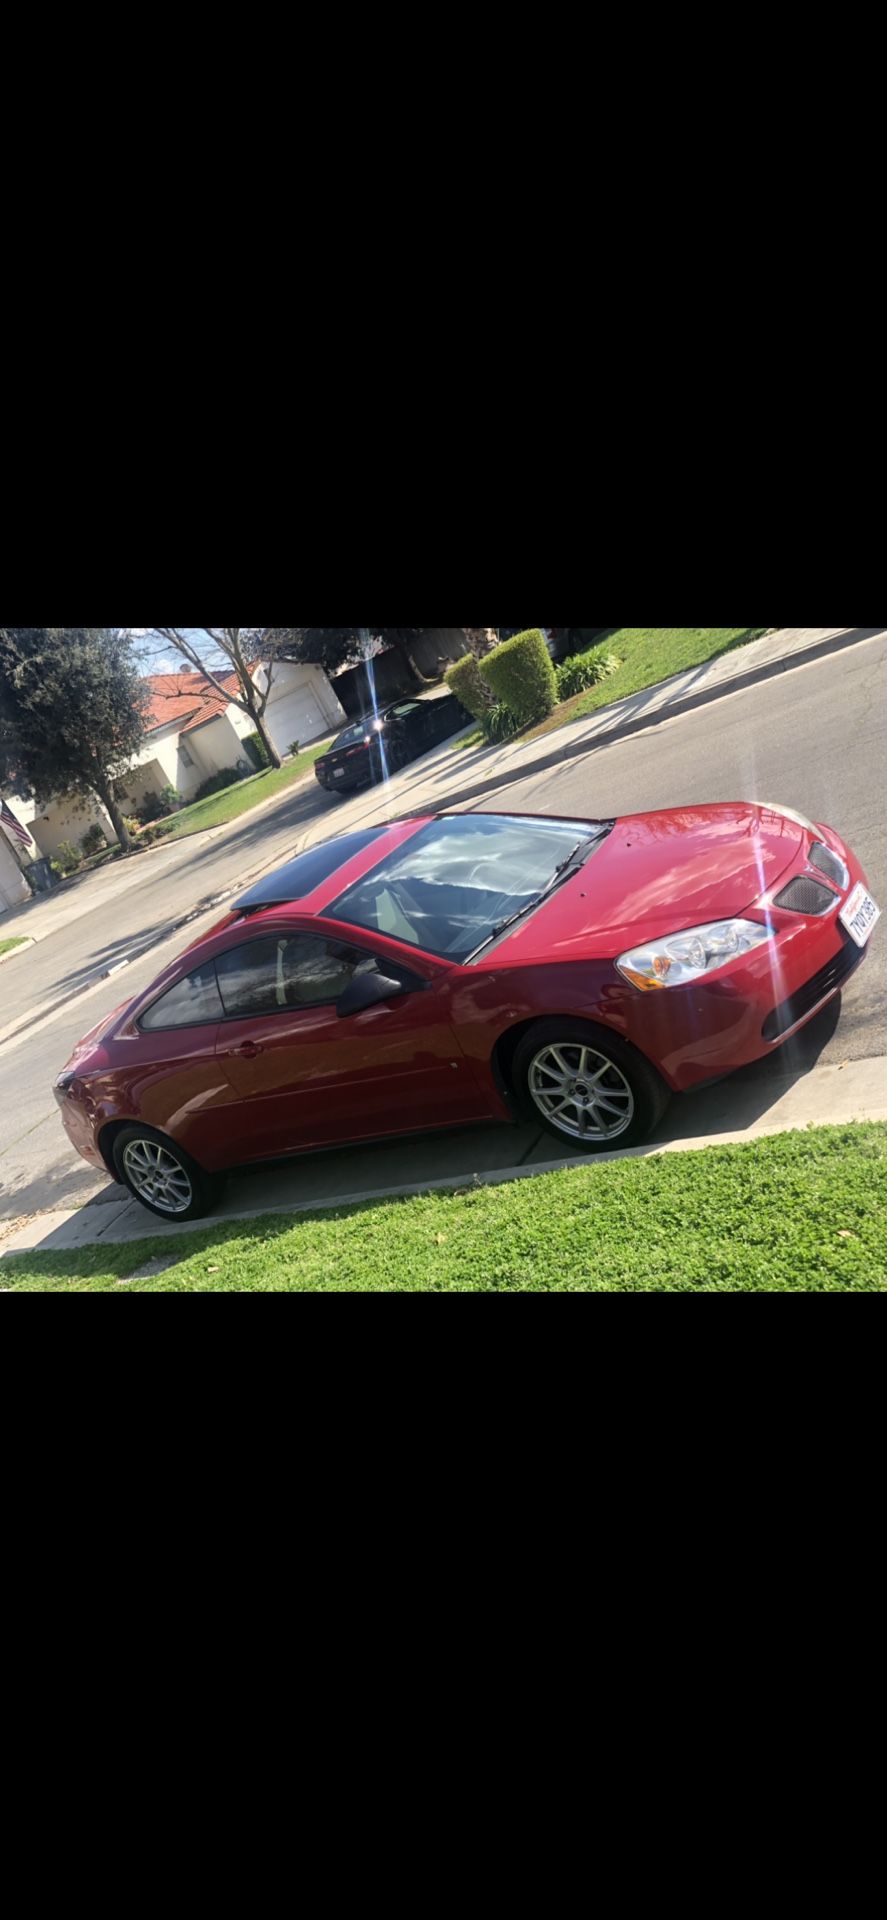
378 744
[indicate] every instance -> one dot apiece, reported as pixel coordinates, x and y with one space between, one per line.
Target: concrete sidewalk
765 1099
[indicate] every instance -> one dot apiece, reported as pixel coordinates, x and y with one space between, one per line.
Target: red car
470 967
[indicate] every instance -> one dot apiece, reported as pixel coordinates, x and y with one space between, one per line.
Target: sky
155 656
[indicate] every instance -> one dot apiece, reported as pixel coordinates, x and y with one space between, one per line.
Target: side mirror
366 990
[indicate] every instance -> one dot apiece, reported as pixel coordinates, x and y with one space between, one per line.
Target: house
193 731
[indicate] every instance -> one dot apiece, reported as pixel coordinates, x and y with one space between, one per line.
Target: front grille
829 863
804 895
833 975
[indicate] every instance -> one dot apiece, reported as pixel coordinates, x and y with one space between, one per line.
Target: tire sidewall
651 1095
204 1186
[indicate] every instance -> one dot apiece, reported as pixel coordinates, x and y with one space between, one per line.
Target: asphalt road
814 739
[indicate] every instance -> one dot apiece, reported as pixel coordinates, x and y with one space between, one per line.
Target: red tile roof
186 698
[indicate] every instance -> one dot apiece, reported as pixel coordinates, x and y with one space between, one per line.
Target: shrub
498 723
132 823
68 856
152 808
294 749
171 797
93 840
585 670
468 684
217 782
522 676
257 750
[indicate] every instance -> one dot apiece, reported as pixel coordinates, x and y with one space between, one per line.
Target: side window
299 970
192 1003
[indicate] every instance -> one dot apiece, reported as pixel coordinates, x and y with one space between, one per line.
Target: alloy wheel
580 1092
157 1176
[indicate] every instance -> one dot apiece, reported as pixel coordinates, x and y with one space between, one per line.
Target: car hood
657 873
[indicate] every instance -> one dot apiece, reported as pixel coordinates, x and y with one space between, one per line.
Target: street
814 739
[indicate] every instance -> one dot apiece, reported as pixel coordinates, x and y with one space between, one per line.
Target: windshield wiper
572 864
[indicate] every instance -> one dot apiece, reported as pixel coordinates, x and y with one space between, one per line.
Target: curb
452 1183
22 947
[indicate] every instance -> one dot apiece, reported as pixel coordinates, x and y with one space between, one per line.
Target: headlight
678 958
788 813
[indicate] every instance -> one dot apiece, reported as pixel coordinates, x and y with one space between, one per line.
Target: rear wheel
162 1176
587 1086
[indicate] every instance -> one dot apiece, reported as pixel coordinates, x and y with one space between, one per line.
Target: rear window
311 869
351 737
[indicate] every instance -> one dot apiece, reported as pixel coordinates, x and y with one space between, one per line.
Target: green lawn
7 946
799 1212
219 807
647 654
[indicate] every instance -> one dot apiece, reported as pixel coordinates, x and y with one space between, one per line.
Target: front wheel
162 1176
588 1086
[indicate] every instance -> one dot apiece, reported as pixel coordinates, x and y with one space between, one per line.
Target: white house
192 732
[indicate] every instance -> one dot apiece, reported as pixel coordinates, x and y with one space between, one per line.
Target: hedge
468 684
522 676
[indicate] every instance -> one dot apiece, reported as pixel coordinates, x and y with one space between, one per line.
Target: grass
648 655
8 946
795 1213
232 801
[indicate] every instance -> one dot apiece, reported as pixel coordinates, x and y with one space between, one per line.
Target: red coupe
471 967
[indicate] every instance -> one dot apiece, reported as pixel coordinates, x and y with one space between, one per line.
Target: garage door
298 716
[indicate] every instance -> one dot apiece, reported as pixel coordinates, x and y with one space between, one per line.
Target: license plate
338 773
860 915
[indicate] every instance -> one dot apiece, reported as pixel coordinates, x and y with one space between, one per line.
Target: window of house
299 970
187 758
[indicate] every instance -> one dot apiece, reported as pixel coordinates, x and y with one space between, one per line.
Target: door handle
247 1051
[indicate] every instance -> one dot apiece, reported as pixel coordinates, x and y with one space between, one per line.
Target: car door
308 1078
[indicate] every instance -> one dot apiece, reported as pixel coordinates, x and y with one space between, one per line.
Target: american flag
12 825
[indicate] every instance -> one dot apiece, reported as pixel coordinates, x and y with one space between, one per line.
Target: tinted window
403 711
445 889
267 976
300 877
190 1004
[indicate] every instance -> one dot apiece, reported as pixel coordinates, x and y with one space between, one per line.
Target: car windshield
451 887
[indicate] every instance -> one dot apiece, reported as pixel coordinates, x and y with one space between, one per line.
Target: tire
194 1191
621 1097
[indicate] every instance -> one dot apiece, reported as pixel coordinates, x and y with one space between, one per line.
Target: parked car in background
471 967
380 743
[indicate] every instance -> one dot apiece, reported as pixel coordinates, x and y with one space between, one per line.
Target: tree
481 640
216 652
71 712
332 647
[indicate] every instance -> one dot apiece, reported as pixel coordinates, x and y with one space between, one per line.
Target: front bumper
698 1033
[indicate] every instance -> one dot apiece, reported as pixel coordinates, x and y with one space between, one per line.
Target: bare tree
241 647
